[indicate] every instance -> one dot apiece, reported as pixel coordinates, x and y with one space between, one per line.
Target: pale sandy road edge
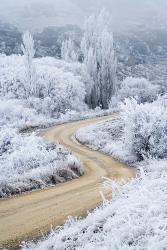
26 216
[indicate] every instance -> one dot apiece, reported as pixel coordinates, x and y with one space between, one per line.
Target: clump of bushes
145 131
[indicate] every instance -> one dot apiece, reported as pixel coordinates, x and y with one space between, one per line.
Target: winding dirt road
27 216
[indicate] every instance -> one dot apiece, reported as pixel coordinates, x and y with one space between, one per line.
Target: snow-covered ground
136 217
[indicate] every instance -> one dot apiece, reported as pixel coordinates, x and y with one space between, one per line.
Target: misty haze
83 124
37 14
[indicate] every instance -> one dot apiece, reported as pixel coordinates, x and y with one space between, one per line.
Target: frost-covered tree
29 53
68 52
99 58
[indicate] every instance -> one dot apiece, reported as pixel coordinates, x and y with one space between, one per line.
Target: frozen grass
28 163
135 219
106 137
14 113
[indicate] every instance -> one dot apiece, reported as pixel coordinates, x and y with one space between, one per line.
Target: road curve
29 215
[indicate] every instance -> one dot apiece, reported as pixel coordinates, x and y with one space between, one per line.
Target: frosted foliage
28 46
138 134
139 88
145 133
30 72
106 137
27 163
68 52
99 58
15 114
58 87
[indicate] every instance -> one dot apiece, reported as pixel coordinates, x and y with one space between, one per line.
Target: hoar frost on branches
145 131
29 53
139 88
68 51
59 88
99 58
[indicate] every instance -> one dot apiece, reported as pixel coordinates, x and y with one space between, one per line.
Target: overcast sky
36 14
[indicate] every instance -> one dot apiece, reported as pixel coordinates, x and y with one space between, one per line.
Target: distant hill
48 42
140 54
10 39
132 47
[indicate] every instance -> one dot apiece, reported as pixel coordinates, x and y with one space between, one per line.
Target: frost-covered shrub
28 162
106 137
12 76
5 141
145 132
139 88
58 86
141 132
14 113
59 91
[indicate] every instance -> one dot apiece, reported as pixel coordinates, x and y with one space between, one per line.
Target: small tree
68 52
29 53
99 58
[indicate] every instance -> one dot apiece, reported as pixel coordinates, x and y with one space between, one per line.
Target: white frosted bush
28 162
145 132
139 88
58 85
15 113
106 137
